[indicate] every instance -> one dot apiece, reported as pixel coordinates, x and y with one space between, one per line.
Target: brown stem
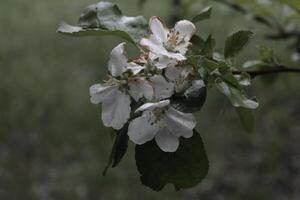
271 70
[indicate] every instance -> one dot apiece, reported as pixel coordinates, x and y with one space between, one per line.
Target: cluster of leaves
189 164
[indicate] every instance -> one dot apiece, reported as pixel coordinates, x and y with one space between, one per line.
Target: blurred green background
53 145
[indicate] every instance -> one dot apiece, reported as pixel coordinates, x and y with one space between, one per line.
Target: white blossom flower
114 93
163 123
180 76
172 43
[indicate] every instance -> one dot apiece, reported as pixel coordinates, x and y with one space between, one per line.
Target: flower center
172 41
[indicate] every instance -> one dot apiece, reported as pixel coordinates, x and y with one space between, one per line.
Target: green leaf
267 55
236 96
190 101
104 19
203 15
236 42
247 119
184 168
198 44
119 148
243 79
208 48
253 63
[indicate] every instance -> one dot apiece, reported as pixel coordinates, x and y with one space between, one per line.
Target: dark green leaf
198 44
236 42
106 18
247 119
208 48
190 101
119 148
184 168
203 15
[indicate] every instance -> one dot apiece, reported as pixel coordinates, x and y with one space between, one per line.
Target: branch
271 70
258 18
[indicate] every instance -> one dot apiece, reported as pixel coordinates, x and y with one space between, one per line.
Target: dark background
53 144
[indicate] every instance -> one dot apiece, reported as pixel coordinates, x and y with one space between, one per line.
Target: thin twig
271 70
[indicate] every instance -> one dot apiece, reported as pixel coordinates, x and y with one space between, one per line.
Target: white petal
186 30
158 29
134 68
139 87
166 140
116 110
179 77
182 47
99 92
142 129
162 88
153 45
152 106
162 62
196 85
176 56
118 61
179 123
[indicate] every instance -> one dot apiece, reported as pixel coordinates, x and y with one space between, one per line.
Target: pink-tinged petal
118 61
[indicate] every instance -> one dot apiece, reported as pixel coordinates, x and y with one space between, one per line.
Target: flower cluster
138 91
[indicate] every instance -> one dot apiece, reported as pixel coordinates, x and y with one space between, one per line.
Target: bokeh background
53 145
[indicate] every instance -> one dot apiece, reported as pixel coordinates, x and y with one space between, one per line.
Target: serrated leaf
247 119
236 96
184 168
203 15
104 19
119 148
191 100
236 42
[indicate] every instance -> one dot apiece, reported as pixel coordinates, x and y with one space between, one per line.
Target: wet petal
162 88
152 106
166 140
158 29
143 129
139 87
118 61
179 123
116 110
99 92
